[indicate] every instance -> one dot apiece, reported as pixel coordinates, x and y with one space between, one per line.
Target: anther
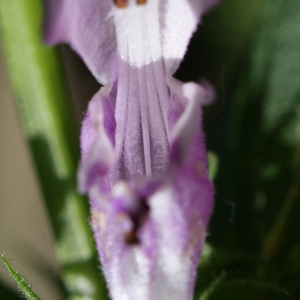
138 219
121 3
141 2
131 237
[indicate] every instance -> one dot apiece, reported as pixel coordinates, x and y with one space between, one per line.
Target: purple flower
143 154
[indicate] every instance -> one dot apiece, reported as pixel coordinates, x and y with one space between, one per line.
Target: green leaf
262 125
214 261
259 150
237 286
47 120
264 131
20 281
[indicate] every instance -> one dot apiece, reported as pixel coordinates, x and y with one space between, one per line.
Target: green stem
45 114
23 286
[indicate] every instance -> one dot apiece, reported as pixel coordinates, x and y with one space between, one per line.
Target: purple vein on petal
144 119
142 40
158 94
133 155
121 113
146 146
159 139
155 46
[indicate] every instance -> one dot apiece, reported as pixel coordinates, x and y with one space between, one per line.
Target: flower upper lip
90 29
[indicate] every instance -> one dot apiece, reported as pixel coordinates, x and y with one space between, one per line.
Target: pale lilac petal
151 234
193 164
97 141
99 32
178 23
126 265
142 145
182 122
89 27
183 207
